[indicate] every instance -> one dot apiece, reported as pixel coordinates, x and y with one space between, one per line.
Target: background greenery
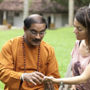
78 3
62 40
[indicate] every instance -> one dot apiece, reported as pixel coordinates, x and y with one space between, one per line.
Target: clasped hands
35 77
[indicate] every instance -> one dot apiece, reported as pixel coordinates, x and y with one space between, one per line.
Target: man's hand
34 77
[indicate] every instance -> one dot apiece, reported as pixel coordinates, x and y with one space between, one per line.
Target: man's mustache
36 40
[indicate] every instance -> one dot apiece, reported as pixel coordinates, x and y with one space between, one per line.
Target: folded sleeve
7 73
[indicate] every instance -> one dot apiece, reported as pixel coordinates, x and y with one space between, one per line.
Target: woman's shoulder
78 42
75 49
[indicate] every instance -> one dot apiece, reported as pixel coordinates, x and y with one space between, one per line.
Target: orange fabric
12 63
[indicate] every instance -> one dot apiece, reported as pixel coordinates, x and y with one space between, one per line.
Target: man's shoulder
16 39
46 45
47 48
12 41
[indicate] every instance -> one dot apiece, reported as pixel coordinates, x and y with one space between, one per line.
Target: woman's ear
24 28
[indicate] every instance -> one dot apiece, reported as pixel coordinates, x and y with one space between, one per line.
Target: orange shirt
12 63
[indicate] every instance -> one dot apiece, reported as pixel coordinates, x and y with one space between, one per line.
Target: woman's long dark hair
83 17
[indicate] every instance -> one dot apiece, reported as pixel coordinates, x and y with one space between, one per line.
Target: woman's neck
86 42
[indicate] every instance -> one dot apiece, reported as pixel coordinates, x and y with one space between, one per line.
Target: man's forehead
38 26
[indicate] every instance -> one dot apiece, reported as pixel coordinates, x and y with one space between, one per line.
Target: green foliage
62 2
78 3
1 1
1 86
63 41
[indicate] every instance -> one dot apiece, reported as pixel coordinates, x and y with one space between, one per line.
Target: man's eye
41 32
33 32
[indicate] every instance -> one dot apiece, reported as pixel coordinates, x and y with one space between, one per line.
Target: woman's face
79 30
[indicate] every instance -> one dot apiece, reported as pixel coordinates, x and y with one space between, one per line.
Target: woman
81 51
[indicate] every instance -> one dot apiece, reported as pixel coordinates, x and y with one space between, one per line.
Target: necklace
24 57
48 85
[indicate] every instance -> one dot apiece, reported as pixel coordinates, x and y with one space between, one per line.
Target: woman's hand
48 83
48 78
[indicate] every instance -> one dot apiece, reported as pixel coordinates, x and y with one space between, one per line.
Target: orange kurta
12 63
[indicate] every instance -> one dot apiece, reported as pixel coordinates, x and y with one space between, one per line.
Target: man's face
35 34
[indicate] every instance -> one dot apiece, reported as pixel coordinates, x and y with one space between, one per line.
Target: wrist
22 76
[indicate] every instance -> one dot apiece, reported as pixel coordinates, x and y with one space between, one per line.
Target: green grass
61 39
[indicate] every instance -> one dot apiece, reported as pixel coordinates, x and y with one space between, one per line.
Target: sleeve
53 66
7 73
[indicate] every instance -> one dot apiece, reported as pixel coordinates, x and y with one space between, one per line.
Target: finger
38 77
45 78
35 79
40 74
31 81
48 78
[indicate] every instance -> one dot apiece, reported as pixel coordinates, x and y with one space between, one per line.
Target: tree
70 5
81 3
71 12
26 8
1 1
78 3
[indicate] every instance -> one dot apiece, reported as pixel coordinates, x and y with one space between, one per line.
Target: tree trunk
71 12
26 9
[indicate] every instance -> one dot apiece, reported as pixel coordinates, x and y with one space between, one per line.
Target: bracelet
22 77
61 84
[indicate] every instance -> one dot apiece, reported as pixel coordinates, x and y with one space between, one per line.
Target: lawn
62 40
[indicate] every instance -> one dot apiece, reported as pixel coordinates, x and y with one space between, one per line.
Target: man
25 60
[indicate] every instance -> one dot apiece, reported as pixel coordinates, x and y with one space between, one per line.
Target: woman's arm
72 80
